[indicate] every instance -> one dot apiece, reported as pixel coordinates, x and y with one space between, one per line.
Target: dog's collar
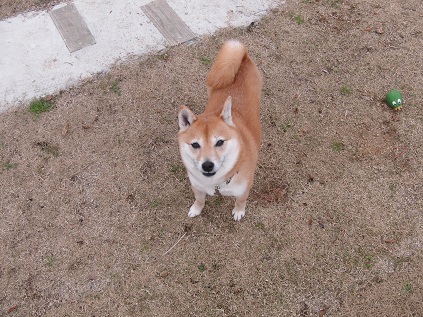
227 182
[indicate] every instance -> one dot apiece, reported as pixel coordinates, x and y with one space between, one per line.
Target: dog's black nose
207 166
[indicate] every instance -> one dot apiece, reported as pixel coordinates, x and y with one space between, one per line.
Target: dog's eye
220 143
195 145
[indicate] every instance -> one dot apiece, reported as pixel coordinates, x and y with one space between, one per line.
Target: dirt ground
9 8
94 197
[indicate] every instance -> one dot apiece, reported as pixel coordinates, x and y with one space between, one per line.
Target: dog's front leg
239 210
198 205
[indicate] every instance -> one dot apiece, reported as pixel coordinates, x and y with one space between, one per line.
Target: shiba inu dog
219 147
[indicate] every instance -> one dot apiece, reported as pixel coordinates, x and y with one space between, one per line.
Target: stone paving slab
72 27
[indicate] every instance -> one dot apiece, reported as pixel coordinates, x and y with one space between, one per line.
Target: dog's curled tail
226 64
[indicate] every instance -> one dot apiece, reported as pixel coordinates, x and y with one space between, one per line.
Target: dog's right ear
185 118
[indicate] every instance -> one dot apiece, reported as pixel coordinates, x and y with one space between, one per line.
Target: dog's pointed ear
226 114
185 117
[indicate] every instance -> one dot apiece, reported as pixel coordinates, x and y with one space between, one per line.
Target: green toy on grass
394 99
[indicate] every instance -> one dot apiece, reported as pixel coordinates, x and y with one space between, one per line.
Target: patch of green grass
201 267
299 19
408 287
119 140
216 201
359 258
144 248
93 297
49 260
401 260
179 171
351 259
156 203
115 88
334 3
49 149
205 60
337 146
285 126
163 56
176 168
8 166
319 256
345 90
38 106
260 225
368 261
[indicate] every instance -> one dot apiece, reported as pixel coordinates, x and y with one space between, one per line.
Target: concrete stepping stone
167 21
72 27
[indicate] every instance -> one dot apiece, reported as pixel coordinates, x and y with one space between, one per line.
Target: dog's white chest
229 187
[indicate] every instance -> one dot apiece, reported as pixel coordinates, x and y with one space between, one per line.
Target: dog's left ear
226 114
185 117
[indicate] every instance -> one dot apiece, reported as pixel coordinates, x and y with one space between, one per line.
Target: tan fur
227 133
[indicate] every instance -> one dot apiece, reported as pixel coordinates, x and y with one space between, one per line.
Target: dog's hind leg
198 205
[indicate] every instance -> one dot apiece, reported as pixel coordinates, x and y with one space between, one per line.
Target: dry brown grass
94 192
9 8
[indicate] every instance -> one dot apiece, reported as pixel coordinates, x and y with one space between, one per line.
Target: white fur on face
224 159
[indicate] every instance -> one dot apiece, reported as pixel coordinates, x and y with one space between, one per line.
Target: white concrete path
34 60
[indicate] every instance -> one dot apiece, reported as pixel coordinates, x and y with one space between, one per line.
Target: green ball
394 99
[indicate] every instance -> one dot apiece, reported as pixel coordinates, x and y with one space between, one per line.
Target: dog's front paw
238 214
194 211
